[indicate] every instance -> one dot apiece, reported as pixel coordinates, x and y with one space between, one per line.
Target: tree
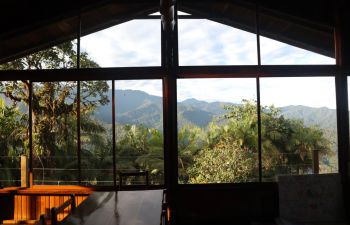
190 141
12 123
54 104
226 162
231 154
140 148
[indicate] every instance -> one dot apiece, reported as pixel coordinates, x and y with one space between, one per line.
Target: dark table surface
119 208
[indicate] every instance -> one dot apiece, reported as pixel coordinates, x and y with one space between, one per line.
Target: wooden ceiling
28 26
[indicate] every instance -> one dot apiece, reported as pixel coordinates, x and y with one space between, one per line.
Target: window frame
170 72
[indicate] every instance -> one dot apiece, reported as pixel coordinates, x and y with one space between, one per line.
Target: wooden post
315 161
24 171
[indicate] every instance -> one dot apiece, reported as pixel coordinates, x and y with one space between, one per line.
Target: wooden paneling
30 207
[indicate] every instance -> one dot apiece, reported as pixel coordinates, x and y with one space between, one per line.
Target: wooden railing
60 209
22 205
52 219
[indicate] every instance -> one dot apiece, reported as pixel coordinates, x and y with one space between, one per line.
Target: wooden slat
33 207
47 205
60 202
42 207
24 208
17 205
52 202
30 207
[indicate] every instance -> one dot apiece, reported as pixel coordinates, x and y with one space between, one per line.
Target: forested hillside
140 107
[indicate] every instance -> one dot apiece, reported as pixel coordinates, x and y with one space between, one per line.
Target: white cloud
134 43
278 53
227 90
152 87
308 91
204 42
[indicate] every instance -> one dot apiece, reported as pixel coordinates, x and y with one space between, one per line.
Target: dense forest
217 147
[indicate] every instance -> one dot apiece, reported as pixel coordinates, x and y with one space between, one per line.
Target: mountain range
138 107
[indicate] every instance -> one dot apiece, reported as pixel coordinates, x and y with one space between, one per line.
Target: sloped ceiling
28 26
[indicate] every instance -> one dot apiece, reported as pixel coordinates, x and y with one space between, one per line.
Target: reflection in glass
217 130
139 130
298 126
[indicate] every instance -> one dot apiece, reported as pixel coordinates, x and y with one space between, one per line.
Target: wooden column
24 171
342 40
170 66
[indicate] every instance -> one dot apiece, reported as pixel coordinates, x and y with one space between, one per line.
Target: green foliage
225 162
54 107
230 153
139 149
210 149
12 134
63 56
190 140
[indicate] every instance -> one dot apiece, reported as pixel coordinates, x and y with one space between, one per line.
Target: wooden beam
254 70
119 73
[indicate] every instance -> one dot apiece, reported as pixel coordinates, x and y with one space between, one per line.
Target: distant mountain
324 117
141 108
133 107
138 107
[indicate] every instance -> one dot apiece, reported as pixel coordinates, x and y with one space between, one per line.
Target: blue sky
203 42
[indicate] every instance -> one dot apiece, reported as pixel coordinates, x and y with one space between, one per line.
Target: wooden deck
119 208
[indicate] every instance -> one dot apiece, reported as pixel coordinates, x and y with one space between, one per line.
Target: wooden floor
119 208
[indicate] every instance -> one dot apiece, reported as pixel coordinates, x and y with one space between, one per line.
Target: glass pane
96 133
54 133
205 42
62 56
278 53
133 43
139 130
299 127
217 130
13 130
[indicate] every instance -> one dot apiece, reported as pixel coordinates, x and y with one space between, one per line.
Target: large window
96 133
217 131
278 53
205 42
237 121
299 127
139 130
61 56
14 100
133 43
54 133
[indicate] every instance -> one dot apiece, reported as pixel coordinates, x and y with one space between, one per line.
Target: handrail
135 173
56 210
